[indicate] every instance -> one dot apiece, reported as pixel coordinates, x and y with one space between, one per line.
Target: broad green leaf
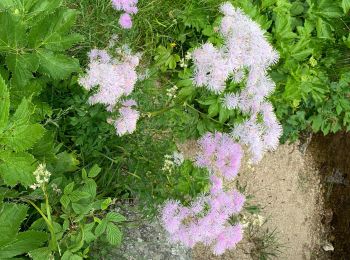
345 5
115 217
23 113
21 138
12 32
64 200
323 29
114 235
69 188
57 66
68 255
24 242
41 253
90 187
44 6
4 103
17 168
101 228
78 195
11 217
50 33
22 67
66 162
94 171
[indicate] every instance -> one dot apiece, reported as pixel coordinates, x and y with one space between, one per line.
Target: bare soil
332 155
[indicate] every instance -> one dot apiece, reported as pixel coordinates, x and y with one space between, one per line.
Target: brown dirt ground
332 155
287 186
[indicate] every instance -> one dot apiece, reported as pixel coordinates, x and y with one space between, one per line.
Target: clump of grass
157 22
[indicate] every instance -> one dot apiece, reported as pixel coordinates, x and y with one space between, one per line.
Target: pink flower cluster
206 220
129 7
126 123
245 56
220 154
114 78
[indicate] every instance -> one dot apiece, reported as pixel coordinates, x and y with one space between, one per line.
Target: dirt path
287 186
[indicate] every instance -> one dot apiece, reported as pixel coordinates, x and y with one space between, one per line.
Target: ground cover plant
94 110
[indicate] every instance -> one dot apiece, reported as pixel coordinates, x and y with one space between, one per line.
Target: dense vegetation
62 166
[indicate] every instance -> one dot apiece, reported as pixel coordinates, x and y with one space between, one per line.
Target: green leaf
323 29
68 255
24 242
317 123
64 200
105 204
22 67
66 162
21 138
101 228
345 4
78 195
41 253
12 32
69 188
115 217
57 66
4 103
114 235
17 168
23 113
11 217
94 171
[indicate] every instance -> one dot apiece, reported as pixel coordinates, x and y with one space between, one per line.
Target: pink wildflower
125 21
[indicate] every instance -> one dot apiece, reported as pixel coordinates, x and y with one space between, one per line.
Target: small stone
328 247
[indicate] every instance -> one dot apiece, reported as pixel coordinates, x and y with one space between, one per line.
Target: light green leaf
101 228
22 67
57 66
23 113
11 217
78 195
345 4
64 200
21 138
41 253
94 171
24 242
69 188
4 103
114 235
17 168
115 217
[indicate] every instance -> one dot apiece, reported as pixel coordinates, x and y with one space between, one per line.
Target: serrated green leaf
11 217
12 32
68 255
23 137
77 195
64 200
114 235
115 217
23 243
69 188
101 228
17 168
50 33
41 253
57 66
23 113
90 187
22 67
4 103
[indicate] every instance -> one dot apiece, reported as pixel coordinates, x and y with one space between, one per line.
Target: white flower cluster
42 176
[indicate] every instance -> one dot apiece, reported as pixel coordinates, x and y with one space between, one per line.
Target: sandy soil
286 185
